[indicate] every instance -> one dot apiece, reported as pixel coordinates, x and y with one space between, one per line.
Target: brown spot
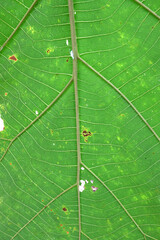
48 51
13 58
6 94
67 60
61 225
152 27
64 209
67 232
45 206
51 210
42 200
120 23
10 163
86 134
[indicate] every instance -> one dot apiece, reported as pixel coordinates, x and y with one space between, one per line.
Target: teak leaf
80 120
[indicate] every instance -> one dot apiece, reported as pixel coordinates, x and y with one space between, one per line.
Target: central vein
75 59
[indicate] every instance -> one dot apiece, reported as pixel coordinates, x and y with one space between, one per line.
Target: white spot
72 55
86 181
82 168
36 112
91 181
81 187
53 144
74 12
67 43
94 188
1 124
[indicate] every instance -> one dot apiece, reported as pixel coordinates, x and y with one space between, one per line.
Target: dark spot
152 27
94 188
86 134
67 60
45 206
48 51
64 209
13 58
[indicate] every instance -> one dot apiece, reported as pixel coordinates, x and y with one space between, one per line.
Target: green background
119 39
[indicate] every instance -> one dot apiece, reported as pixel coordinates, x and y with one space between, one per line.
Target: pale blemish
91 181
82 168
36 112
94 188
74 12
86 181
54 144
67 43
81 187
72 55
1 124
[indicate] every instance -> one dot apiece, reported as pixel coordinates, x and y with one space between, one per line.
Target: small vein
37 214
122 95
110 191
147 8
19 24
86 235
38 117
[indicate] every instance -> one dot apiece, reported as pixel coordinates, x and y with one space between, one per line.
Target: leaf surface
80 105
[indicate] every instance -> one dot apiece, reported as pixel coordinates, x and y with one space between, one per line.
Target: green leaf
79 123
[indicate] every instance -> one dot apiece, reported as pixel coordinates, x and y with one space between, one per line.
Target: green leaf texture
80 103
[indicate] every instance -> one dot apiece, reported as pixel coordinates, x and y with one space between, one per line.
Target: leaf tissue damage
79 120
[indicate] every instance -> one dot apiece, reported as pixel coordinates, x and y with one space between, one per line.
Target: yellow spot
118 138
59 20
31 29
121 219
135 198
144 197
1 200
119 65
150 62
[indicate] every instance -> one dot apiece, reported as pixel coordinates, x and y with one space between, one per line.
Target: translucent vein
19 24
126 211
148 9
122 95
37 214
38 117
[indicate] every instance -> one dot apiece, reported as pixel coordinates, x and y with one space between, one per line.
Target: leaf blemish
64 209
81 187
13 58
86 134
94 188
1 125
72 55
